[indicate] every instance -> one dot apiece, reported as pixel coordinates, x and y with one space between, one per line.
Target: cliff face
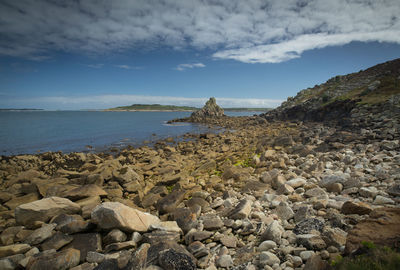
377 88
210 110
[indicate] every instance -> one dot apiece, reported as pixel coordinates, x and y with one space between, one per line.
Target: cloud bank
182 67
108 101
251 31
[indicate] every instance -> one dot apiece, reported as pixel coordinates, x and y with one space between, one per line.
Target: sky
96 54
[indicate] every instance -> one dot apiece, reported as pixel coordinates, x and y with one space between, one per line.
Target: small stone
368 192
285 189
212 222
316 192
268 258
267 245
359 208
198 249
224 261
167 226
273 232
311 241
305 255
229 241
284 211
296 182
114 236
95 257
383 200
242 210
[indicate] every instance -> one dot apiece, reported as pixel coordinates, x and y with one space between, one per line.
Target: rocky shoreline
270 195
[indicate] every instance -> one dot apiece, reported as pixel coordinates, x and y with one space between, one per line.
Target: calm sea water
29 132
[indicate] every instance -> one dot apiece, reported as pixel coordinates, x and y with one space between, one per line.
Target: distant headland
159 107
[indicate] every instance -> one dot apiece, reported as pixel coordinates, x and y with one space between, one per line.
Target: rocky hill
365 96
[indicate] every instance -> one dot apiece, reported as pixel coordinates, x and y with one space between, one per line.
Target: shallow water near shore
30 132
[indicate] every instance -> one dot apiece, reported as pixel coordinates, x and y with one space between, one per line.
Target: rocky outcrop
357 99
210 110
211 113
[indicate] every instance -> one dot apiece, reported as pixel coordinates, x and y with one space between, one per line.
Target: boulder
55 261
44 209
381 228
115 215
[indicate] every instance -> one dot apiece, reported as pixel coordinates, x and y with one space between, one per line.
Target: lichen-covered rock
171 260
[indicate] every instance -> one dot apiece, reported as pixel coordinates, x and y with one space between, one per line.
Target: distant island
22 109
159 107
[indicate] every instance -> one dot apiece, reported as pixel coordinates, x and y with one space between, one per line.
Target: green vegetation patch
372 258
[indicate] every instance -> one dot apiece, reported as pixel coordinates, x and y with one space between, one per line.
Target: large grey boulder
115 215
44 209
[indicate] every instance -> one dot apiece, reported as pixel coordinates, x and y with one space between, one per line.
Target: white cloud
251 31
108 101
95 65
127 67
182 67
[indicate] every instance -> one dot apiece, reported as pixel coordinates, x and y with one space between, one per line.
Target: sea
32 132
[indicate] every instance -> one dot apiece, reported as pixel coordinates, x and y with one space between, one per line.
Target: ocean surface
30 132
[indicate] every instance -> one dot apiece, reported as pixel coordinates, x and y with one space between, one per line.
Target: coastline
230 190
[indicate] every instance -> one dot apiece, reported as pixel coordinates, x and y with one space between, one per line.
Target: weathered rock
307 225
242 210
172 260
7 237
114 236
381 228
85 242
310 241
267 245
273 232
114 215
185 218
169 203
166 226
383 200
359 208
268 258
198 249
334 237
316 192
296 182
284 211
84 191
126 174
315 263
224 261
41 234
59 261
13 203
70 224
212 222
13 249
229 241
44 209
57 241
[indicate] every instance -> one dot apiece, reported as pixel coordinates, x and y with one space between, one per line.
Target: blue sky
94 55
